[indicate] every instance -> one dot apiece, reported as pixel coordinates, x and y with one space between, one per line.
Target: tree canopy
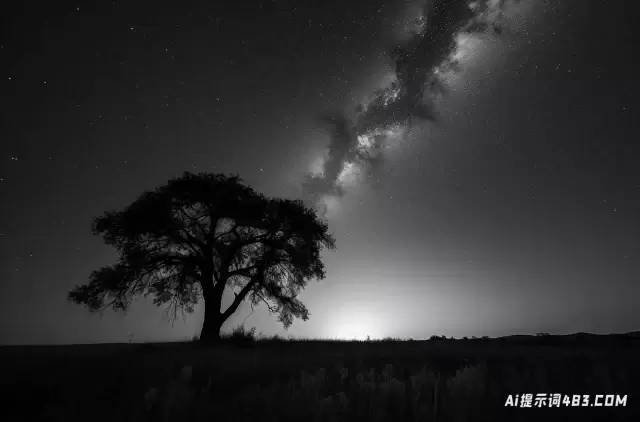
201 234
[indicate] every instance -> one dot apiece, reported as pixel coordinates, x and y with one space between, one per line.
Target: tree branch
271 308
171 259
239 297
242 271
216 238
190 238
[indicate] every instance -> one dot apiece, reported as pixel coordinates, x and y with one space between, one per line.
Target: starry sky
483 182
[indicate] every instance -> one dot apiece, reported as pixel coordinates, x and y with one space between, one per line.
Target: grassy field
269 380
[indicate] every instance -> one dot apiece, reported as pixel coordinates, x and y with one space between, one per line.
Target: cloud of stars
436 39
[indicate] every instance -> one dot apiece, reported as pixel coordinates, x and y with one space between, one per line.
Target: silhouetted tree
201 234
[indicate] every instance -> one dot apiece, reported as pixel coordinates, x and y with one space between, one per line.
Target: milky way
437 39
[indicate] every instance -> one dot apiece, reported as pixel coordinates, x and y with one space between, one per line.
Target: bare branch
239 297
269 306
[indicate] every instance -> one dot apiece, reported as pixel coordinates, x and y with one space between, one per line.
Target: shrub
241 336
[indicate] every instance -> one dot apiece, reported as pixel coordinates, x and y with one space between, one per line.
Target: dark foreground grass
246 380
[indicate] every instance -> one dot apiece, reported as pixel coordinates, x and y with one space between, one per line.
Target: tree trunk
212 322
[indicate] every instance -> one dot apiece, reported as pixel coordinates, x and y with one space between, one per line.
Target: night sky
509 205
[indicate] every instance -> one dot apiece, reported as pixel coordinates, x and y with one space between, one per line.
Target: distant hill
623 339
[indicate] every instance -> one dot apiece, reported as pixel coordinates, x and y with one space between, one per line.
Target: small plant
241 336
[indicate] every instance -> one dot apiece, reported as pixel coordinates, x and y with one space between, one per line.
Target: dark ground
102 382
